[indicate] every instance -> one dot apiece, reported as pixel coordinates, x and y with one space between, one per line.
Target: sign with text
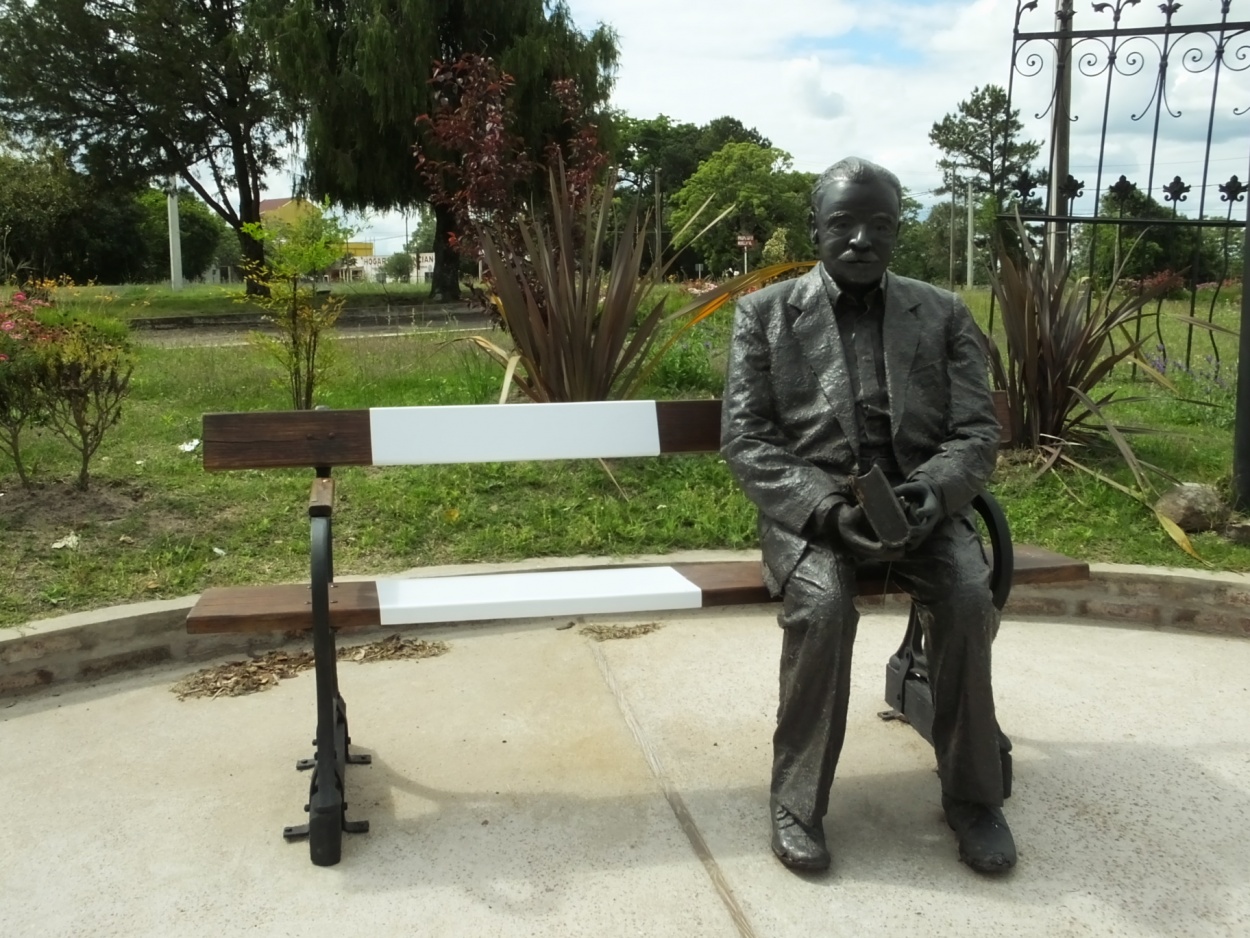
746 240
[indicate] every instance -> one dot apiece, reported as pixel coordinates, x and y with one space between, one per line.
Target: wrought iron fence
1110 49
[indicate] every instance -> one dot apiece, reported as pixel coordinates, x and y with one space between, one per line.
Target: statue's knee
812 605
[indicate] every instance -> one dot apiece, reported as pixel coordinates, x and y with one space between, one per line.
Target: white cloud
792 69
804 81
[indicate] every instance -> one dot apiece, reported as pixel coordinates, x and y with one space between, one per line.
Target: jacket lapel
900 334
816 329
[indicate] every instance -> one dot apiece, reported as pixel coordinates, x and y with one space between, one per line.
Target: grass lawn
155 524
141 300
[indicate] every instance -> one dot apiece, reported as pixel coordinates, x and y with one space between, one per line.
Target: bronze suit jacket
788 428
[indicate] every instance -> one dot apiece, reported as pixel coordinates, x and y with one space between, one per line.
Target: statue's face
855 227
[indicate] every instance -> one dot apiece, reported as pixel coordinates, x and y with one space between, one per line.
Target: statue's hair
854 169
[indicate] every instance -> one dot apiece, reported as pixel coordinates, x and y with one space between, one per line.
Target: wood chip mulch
606 633
236 678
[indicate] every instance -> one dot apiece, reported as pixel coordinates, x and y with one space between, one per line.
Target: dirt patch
607 633
236 678
53 506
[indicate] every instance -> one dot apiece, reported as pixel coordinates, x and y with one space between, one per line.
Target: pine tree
981 141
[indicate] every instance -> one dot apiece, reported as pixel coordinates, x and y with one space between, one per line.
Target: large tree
981 142
918 252
765 194
655 146
362 73
199 234
57 221
1142 251
138 89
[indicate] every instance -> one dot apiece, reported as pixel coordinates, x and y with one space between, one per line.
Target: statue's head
855 214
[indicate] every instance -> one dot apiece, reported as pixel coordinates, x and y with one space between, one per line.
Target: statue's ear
811 226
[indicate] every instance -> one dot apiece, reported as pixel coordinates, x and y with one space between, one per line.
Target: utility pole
658 223
971 224
1060 131
175 236
951 276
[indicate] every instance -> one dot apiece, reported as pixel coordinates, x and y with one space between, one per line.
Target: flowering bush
60 373
1165 283
1209 383
21 400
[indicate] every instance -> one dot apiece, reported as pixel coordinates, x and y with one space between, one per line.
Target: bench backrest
407 436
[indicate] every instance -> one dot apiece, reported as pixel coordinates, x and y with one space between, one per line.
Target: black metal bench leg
907 689
327 805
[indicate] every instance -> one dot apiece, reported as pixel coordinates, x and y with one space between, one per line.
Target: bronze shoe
798 846
985 841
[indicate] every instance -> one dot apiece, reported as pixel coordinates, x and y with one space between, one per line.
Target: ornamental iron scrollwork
1114 42
1025 185
1177 190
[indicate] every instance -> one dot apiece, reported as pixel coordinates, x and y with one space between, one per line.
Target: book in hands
882 508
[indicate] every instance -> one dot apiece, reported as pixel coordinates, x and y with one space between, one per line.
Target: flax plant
1062 344
580 332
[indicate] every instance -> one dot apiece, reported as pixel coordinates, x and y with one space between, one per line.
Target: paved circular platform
533 782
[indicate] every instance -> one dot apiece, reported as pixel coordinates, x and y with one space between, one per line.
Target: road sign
746 240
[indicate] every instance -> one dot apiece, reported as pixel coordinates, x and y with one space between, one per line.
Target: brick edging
1216 603
1151 597
89 645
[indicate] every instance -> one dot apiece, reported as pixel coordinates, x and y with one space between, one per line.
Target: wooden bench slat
689 426
287 439
1002 410
1038 565
356 604
281 608
331 438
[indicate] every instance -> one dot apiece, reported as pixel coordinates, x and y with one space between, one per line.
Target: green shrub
295 252
65 373
686 371
85 367
22 402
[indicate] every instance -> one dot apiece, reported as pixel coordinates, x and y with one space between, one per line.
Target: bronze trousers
948 578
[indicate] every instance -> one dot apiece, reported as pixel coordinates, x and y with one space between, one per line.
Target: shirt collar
872 299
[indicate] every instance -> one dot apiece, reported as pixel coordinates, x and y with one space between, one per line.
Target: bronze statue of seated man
844 372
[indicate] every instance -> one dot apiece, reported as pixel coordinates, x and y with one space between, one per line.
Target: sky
823 79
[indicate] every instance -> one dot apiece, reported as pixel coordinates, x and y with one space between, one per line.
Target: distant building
287 209
290 209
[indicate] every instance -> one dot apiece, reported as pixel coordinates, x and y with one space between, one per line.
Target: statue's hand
856 534
923 507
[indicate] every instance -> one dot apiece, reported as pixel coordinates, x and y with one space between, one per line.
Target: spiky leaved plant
1062 343
580 332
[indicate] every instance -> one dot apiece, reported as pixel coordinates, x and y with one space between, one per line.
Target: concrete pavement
533 782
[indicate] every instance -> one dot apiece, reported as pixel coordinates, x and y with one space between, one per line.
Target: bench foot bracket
327 802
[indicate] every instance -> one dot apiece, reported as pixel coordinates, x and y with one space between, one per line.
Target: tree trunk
445 282
253 256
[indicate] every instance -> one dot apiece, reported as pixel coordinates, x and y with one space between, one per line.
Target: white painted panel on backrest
538 593
408 436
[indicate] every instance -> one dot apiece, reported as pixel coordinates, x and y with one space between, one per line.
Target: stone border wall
89 645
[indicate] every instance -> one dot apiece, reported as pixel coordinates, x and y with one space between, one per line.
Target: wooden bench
322 440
